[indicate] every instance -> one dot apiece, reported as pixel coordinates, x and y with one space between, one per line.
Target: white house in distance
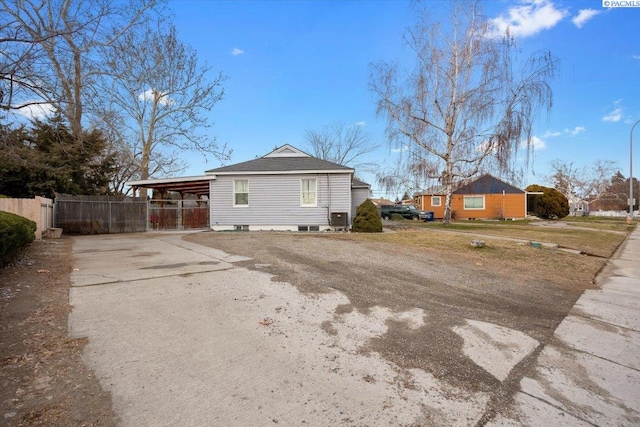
286 189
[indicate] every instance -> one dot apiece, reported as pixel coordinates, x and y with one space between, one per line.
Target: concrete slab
589 388
145 257
613 309
603 340
530 411
232 347
495 348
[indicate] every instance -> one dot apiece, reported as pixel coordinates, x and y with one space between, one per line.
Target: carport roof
198 185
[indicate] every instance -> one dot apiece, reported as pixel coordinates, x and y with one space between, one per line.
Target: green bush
552 204
367 219
15 232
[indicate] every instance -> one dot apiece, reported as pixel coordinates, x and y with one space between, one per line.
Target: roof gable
283 160
286 151
488 184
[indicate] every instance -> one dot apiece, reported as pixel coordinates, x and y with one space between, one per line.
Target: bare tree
19 53
342 144
162 95
58 59
580 185
464 104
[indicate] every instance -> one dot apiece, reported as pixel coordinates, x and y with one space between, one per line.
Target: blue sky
298 65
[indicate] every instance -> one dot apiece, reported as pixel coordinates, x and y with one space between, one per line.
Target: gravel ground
451 292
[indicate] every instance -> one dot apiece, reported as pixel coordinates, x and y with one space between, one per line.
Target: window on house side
308 192
241 192
473 202
436 201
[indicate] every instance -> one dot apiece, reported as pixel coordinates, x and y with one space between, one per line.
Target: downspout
329 202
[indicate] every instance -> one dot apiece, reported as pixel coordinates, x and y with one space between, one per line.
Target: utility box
339 219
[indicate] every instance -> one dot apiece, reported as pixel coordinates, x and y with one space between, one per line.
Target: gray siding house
286 189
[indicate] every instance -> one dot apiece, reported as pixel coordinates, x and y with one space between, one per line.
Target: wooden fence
110 214
100 214
39 210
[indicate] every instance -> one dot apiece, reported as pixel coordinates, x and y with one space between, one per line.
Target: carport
189 211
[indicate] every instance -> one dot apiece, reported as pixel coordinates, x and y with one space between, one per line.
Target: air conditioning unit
339 219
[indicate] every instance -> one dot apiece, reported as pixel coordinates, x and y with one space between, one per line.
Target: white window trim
234 194
308 205
464 203
439 200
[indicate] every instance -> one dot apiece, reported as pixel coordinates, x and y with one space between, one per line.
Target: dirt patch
43 379
503 284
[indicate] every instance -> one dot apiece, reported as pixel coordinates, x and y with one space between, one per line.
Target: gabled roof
433 191
285 159
382 201
356 183
488 184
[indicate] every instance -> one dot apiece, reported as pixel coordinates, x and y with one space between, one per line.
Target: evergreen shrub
15 232
367 219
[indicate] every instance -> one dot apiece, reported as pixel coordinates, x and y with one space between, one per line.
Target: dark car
406 211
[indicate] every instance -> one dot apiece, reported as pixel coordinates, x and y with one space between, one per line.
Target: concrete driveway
180 334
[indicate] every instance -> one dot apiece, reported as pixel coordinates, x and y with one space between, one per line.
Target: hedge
15 232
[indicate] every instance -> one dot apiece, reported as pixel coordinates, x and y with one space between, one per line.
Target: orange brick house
485 198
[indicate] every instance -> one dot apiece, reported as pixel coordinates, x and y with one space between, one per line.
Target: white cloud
576 130
613 116
36 111
401 149
584 16
536 143
236 51
635 56
360 123
529 19
550 134
149 95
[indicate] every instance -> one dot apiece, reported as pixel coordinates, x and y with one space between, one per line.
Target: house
382 201
484 198
286 189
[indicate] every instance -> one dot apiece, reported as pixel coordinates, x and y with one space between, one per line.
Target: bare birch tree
162 95
342 144
467 101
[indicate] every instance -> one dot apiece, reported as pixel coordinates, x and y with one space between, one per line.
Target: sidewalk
591 374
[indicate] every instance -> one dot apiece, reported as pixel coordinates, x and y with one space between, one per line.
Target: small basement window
241 227
303 228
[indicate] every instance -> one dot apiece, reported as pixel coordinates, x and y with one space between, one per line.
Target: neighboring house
381 201
286 189
484 198
360 191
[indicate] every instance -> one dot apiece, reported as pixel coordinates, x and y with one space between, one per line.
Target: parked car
406 211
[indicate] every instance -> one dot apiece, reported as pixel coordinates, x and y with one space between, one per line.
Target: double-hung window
241 192
308 193
474 202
